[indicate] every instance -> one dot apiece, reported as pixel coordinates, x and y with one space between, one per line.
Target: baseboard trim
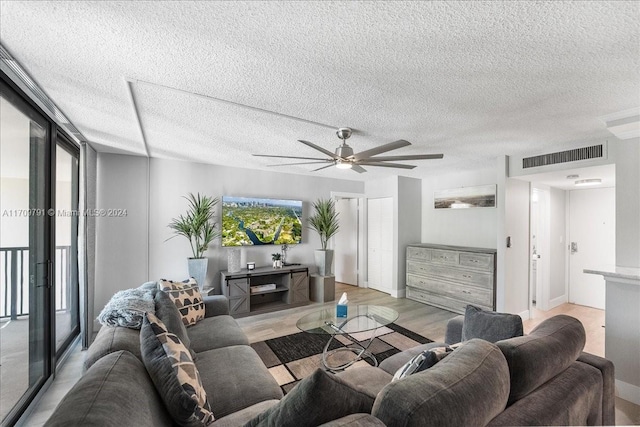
628 392
557 301
398 293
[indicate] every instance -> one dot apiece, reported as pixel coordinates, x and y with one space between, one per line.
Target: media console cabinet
291 289
451 277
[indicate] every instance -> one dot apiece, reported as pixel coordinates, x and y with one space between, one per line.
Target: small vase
277 263
233 260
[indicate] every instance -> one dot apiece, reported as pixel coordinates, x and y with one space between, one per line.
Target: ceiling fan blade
317 147
358 168
409 157
301 163
291 157
381 149
323 167
386 165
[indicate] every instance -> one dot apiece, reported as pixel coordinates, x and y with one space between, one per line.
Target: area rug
293 357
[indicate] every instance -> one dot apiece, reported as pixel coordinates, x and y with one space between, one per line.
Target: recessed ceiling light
586 182
573 176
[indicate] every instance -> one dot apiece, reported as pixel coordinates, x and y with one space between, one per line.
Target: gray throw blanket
127 308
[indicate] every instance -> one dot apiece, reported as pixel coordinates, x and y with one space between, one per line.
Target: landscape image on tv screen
254 221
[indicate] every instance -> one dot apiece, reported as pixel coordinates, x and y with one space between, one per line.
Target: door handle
574 247
49 273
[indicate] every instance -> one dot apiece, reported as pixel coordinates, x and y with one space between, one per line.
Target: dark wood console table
291 289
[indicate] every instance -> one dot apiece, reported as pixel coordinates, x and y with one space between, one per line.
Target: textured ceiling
471 80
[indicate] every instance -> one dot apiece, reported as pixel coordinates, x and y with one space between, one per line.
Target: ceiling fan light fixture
343 165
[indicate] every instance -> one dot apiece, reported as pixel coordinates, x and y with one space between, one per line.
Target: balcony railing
14 280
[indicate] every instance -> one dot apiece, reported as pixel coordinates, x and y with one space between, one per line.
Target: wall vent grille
584 153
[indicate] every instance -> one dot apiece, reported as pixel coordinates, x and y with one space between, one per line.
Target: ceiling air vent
585 153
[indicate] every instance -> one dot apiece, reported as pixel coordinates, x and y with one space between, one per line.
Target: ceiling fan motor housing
344 151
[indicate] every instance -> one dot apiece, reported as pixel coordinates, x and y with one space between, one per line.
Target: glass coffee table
360 318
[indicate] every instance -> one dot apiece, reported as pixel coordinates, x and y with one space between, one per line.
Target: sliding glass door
39 306
66 249
25 248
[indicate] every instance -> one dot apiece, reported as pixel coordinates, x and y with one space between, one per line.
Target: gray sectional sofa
117 391
543 378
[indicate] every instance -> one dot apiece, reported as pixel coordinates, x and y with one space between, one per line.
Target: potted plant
324 221
277 260
199 227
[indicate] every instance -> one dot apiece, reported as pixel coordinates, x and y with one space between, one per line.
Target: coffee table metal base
361 352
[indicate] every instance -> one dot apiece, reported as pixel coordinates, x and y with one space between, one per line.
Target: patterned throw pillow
186 296
174 374
422 361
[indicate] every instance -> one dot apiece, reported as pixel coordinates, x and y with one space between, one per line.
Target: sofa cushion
422 361
235 378
490 325
186 296
548 350
468 387
317 399
115 392
366 379
216 332
245 415
174 374
167 311
111 339
572 398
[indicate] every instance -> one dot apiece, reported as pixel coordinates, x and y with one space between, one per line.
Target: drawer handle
466 276
475 260
466 292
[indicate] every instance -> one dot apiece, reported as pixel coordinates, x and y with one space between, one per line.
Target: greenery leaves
324 220
197 225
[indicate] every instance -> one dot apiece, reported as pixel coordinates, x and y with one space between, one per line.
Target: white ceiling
471 80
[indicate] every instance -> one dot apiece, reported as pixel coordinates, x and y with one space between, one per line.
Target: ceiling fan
345 158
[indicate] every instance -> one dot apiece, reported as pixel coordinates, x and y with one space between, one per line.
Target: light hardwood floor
420 318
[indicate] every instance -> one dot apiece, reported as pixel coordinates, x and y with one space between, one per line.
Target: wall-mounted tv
257 221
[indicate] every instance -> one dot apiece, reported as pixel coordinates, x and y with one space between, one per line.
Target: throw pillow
489 325
167 311
422 361
174 374
186 296
317 399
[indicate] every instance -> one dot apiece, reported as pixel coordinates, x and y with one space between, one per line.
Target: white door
346 242
592 233
380 244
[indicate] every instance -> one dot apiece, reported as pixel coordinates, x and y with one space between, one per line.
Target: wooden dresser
450 277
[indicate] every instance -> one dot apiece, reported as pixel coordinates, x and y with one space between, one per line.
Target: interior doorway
540 249
346 250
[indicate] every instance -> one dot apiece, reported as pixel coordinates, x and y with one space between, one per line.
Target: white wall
627 202
135 249
461 227
409 223
14 231
517 257
121 242
558 248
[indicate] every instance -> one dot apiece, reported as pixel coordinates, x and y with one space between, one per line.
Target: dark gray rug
292 357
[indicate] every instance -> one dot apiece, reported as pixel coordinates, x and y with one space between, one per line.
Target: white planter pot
198 270
277 263
324 259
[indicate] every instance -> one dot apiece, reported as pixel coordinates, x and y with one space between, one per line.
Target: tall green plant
197 225
324 221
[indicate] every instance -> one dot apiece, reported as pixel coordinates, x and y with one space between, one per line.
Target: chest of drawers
450 277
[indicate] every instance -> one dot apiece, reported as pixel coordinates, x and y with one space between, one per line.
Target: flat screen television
250 221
